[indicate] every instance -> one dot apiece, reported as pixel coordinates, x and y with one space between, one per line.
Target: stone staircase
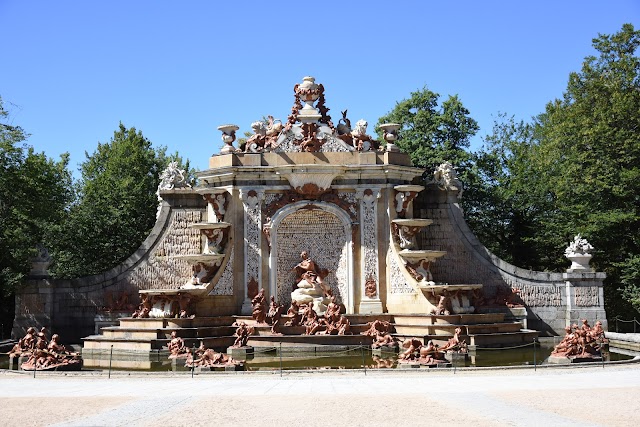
488 330
148 337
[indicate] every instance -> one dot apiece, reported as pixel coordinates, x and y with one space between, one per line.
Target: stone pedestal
384 351
13 363
555 360
103 320
456 359
240 353
585 298
370 307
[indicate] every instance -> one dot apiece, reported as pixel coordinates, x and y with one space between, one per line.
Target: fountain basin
200 258
412 222
414 257
210 225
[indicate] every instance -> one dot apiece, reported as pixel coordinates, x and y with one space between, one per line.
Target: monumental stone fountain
315 217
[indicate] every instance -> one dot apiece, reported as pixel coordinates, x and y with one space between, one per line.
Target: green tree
574 169
433 134
115 207
590 152
34 191
507 203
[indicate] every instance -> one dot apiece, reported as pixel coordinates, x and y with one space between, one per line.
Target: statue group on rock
581 341
44 355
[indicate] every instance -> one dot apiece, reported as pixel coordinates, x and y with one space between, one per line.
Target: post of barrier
634 325
363 364
617 324
2 331
280 359
110 358
535 361
601 356
35 367
193 363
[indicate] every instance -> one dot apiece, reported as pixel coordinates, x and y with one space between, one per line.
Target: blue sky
72 70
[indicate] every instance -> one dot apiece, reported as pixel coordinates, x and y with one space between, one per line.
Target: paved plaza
591 396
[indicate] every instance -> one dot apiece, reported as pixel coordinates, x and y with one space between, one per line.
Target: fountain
375 229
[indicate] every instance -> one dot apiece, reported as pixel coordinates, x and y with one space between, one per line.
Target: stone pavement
583 396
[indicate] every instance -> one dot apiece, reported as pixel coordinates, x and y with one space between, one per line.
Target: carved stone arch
324 231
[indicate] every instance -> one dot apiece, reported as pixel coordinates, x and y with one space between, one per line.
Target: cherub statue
274 315
259 310
242 333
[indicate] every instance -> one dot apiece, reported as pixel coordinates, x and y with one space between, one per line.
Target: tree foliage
574 169
34 190
115 207
433 134
590 151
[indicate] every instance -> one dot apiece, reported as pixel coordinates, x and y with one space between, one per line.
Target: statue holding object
310 287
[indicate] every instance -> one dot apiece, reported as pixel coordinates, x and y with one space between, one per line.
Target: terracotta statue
274 315
310 320
144 309
377 327
242 333
176 346
259 309
411 349
584 341
444 305
568 346
47 356
455 344
380 331
332 313
208 358
344 326
55 347
310 287
384 340
294 312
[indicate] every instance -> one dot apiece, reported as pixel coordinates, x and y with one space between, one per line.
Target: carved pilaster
370 274
252 205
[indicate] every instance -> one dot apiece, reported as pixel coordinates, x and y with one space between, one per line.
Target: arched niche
324 231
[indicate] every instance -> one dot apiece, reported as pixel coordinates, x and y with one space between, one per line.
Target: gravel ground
591 396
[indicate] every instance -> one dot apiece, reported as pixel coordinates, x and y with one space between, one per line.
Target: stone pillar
34 307
252 205
369 268
585 297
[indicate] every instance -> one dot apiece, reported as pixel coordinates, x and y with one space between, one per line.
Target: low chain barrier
634 321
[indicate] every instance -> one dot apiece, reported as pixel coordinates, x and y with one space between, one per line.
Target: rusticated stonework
587 296
538 296
323 236
161 271
398 283
225 284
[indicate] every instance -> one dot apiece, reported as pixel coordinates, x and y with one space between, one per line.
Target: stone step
449 330
309 340
159 323
505 339
453 319
117 332
265 330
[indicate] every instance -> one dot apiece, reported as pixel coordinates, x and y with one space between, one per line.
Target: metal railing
635 322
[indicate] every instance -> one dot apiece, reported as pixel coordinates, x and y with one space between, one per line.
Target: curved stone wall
553 300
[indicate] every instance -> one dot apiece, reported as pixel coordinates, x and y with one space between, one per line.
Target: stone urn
578 253
579 262
228 136
390 135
